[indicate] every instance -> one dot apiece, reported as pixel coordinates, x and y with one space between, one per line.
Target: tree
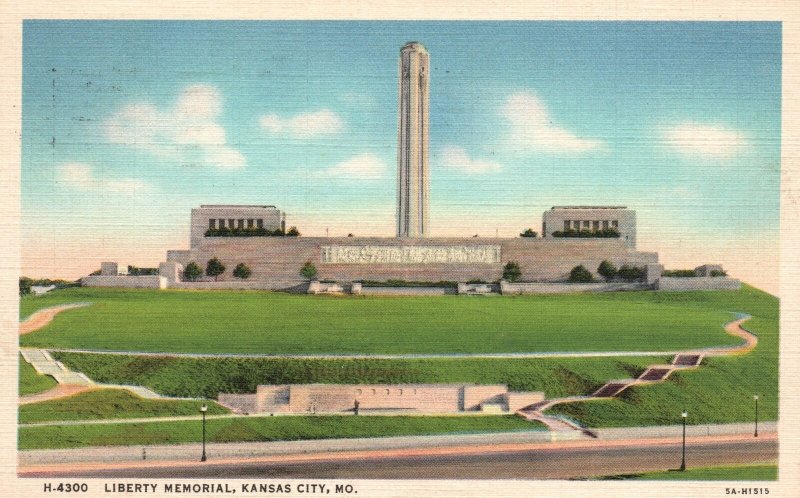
241 271
607 270
214 268
580 274
308 270
511 271
292 232
25 285
528 233
192 271
630 273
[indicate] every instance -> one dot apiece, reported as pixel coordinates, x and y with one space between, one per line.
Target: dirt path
60 391
44 316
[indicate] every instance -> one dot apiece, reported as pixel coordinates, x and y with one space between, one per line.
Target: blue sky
680 121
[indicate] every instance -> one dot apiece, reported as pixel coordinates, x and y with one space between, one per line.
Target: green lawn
262 429
720 391
766 472
555 377
276 323
32 382
110 403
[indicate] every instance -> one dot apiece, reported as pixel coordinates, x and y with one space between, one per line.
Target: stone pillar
171 271
108 268
314 287
355 288
652 272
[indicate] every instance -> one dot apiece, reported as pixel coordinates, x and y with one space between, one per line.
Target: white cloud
361 167
532 128
456 158
322 122
705 140
186 130
81 177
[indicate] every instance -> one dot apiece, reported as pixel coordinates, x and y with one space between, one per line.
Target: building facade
591 218
413 193
217 216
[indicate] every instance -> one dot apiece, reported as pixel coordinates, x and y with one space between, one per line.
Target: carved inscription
360 255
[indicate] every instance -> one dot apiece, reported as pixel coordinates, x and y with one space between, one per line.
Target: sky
127 125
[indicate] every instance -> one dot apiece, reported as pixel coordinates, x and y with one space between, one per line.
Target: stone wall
697 283
137 282
280 258
338 398
558 288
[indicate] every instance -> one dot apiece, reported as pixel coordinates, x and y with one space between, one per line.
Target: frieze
360 255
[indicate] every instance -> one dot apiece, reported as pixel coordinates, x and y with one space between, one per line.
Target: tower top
413 45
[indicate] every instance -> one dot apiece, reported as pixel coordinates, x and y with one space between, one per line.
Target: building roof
235 206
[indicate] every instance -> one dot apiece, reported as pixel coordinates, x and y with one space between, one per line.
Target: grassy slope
733 473
261 429
109 403
260 322
556 377
32 382
720 391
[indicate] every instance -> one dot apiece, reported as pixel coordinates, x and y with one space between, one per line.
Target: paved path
59 391
652 374
543 460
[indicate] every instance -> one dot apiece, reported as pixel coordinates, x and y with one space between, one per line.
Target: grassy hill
274 323
31 381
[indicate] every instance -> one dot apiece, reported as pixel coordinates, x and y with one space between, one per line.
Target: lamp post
755 397
683 451
203 410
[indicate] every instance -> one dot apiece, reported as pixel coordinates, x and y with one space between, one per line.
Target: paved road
526 461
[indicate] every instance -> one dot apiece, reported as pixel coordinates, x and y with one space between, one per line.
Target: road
568 460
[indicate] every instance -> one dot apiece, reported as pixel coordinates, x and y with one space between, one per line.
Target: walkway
652 374
44 316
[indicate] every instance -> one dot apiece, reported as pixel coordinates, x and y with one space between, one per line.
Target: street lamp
203 410
755 397
683 451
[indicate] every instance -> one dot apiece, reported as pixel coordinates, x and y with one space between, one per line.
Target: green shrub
308 270
214 268
292 232
607 270
678 273
192 271
511 271
718 273
580 274
241 271
605 233
528 233
630 273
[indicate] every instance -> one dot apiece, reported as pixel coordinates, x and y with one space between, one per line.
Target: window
576 224
221 222
241 223
358 391
596 225
615 223
212 223
401 392
387 392
586 224
373 391
605 225
260 223
567 224
250 223
231 222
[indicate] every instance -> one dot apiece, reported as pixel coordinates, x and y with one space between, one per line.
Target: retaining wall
137 282
697 283
677 430
406 291
280 258
553 288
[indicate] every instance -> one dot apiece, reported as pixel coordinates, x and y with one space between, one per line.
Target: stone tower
413 193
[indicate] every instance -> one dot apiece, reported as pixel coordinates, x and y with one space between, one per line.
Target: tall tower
413 193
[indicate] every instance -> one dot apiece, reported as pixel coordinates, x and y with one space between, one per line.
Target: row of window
214 223
590 225
386 391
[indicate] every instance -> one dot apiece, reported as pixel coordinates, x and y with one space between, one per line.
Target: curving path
44 316
652 374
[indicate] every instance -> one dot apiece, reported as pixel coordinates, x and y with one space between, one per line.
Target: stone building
592 218
413 191
232 216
